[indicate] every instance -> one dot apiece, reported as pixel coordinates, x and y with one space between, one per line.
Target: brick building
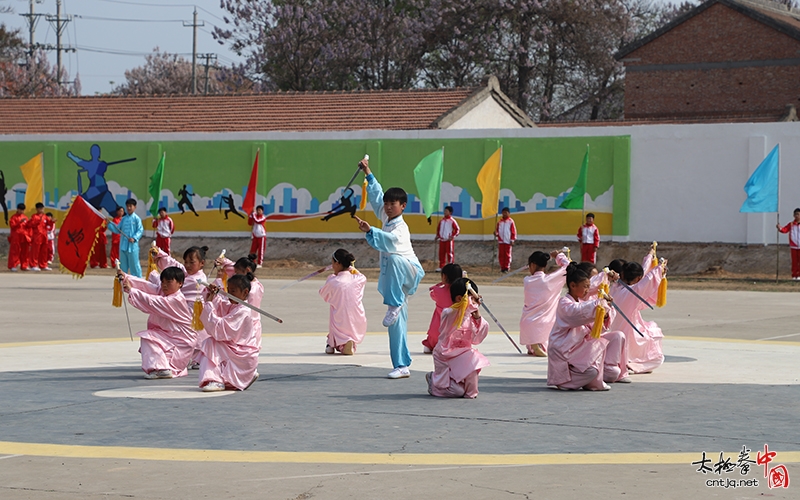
728 60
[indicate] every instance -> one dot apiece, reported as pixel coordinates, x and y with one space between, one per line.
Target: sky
114 35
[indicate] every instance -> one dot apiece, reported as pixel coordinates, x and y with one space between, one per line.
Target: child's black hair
505 209
796 210
130 201
448 207
241 281
49 214
162 209
459 287
173 273
452 272
199 252
631 271
539 258
247 263
616 265
344 257
395 194
20 206
590 214
575 274
39 205
587 267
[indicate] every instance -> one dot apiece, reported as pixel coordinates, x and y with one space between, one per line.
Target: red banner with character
78 236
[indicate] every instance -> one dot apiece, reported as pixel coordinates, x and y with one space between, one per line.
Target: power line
94 18
121 52
166 5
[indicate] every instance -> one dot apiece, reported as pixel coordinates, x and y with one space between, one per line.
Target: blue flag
762 186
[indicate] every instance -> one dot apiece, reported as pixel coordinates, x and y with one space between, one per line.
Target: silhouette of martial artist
231 206
3 192
345 205
186 199
97 194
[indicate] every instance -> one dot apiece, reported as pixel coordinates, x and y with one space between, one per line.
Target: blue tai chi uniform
129 227
401 271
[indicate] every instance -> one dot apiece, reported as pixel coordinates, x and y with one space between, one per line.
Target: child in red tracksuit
589 238
115 238
793 228
50 226
164 228
38 232
18 240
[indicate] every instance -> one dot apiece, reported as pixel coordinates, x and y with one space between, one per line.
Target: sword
512 273
127 316
244 303
108 164
630 289
358 169
221 255
615 306
307 276
494 318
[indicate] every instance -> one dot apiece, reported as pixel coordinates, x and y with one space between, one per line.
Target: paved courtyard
78 420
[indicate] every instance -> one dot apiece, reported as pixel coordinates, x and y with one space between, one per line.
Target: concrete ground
77 419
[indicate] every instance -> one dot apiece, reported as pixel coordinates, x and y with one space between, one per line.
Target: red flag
78 236
249 203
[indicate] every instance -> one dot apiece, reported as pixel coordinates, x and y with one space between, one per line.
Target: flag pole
778 216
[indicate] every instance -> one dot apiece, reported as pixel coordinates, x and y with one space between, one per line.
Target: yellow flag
33 172
489 182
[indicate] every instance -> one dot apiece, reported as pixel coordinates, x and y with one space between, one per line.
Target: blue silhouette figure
97 194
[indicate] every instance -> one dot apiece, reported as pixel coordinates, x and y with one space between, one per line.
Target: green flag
156 180
574 199
428 178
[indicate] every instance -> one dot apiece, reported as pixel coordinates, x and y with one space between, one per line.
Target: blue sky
106 47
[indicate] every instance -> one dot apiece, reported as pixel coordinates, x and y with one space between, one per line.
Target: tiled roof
279 111
777 116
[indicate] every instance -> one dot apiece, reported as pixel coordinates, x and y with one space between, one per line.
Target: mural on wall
297 182
3 193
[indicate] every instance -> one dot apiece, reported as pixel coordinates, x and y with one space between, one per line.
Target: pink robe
541 298
189 289
254 298
456 363
644 354
440 294
230 354
574 358
169 340
348 321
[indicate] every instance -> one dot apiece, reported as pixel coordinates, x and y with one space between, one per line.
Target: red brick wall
719 34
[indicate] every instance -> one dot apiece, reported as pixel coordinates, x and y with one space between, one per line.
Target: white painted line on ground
781 336
10 456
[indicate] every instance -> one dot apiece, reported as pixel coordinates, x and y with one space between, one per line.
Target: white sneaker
626 380
391 315
400 372
426 350
47 269
438 270
329 349
194 365
156 374
213 387
35 268
14 269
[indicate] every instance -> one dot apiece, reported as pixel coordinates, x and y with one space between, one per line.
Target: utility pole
59 24
33 19
208 58
194 26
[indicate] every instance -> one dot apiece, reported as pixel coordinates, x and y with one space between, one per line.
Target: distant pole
194 24
208 58
59 24
778 216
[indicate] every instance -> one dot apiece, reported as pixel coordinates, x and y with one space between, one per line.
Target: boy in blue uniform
131 229
401 271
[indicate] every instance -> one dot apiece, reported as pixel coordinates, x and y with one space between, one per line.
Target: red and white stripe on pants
588 253
446 255
258 246
504 255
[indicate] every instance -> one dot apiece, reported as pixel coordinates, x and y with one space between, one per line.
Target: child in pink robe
456 363
575 359
243 266
440 294
644 354
344 291
229 356
167 344
541 297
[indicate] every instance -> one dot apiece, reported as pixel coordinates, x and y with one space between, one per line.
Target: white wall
686 180
487 114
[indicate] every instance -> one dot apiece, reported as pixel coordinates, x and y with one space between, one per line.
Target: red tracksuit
589 237
18 240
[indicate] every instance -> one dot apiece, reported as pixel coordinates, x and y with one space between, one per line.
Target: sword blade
245 303
358 169
626 318
496 321
630 289
315 273
512 273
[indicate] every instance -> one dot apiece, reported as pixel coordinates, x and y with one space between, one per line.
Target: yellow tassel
117 300
654 261
661 301
363 204
599 318
462 308
197 325
151 264
225 281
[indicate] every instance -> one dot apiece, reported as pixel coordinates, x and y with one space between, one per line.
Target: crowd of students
193 325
